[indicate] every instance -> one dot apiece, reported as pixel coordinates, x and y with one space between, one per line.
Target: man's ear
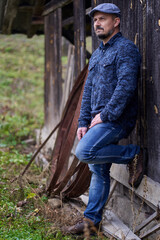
117 21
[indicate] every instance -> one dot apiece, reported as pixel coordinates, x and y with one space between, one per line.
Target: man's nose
97 23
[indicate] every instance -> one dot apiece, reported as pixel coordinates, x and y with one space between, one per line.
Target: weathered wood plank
150 231
2 10
112 188
95 41
153 88
146 222
53 68
53 5
10 14
69 76
113 225
120 173
79 35
70 20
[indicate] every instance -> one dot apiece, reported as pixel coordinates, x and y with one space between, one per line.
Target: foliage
21 111
21 87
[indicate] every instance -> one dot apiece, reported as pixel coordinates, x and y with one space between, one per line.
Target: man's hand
96 120
81 132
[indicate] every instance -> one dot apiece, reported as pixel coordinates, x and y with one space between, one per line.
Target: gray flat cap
106 8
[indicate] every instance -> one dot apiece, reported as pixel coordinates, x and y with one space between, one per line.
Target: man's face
104 24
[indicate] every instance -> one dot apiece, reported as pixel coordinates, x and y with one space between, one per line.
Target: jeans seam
113 156
100 205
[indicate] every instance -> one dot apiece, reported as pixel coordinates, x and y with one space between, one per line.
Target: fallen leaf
31 195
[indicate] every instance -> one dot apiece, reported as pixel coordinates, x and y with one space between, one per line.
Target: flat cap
106 8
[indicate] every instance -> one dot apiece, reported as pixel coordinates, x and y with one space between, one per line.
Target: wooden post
95 41
79 35
2 10
9 16
152 88
53 69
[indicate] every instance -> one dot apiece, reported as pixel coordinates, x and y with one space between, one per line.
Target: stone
55 203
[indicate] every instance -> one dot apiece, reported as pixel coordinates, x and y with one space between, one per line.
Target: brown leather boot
82 226
136 170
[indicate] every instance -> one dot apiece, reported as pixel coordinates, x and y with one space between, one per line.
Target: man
108 111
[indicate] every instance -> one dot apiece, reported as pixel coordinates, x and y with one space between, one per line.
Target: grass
21 87
21 112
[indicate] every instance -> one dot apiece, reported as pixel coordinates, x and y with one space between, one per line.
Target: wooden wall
53 68
140 23
153 87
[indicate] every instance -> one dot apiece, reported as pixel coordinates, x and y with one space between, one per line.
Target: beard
104 36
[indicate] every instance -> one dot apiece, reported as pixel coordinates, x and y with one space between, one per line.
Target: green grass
21 112
21 87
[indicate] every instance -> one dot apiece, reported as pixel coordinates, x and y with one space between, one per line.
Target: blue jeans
99 149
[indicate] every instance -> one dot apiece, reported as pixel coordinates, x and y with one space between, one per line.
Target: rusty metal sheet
80 184
59 176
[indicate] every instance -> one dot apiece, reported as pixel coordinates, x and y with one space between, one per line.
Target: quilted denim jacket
111 86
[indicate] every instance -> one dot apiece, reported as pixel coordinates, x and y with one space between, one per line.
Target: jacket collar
111 41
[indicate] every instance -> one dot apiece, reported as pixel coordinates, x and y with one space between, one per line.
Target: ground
24 209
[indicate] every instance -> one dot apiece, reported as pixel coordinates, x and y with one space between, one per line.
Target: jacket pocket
107 61
91 66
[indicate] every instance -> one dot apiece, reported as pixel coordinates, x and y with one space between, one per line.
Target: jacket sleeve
85 112
127 68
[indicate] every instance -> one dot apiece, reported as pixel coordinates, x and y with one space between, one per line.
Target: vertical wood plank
79 35
153 88
95 40
53 68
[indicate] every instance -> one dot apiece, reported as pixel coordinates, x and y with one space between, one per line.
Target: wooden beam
39 21
150 231
53 5
2 10
152 188
53 68
95 41
10 14
112 188
146 222
112 225
69 36
36 19
70 20
79 35
25 8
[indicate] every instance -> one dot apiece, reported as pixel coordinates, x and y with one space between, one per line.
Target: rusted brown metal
63 145
80 184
